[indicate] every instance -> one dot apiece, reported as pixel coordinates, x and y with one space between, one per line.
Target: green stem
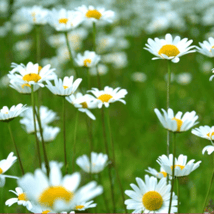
94 36
178 194
89 78
168 100
17 151
35 131
38 51
64 136
75 138
114 160
2 200
70 53
107 152
173 172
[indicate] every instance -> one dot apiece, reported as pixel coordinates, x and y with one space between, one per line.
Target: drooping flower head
169 48
161 174
207 47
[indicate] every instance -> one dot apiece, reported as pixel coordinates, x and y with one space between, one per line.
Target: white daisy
182 167
83 103
5 164
49 133
177 123
20 200
93 14
88 59
207 47
64 20
161 174
64 87
57 193
209 149
7 114
85 205
108 95
169 48
204 132
31 74
150 196
211 78
95 165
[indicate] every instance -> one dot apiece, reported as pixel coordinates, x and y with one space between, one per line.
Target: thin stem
17 151
173 172
107 152
70 53
208 191
38 51
178 194
2 200
64 136
94 36
114 160
35 131
89 78
75 138
168 100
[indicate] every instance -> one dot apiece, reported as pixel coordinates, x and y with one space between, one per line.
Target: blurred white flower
184 78
139 77
101 68
88 59
22 28
49 133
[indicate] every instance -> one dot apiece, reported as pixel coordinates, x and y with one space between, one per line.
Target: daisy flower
205 132
31 74
83 103
5 164
88 59
64 20
49 133
177 123
64 87
85 205
95 14
7 114
95 165
209 149
108 95
182 167
57 193
150 196
161 174
20 200
169 48
207 47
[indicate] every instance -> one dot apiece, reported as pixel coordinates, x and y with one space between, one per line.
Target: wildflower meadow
106 106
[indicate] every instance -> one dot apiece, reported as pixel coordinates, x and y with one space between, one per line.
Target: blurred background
139 137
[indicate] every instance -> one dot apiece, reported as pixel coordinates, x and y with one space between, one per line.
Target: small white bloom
161 174
204 132
88 59
100 68
96 163
49 133
177 123
207 47
85 205
139 77
184 78
209 149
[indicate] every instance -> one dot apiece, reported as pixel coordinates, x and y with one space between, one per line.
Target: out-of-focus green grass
139 137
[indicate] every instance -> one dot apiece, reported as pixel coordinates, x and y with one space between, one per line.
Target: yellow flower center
7 112
93 14
152 200
163 173
79 207
49 195
86 62
210 135
84 105
31 77
26 84
179 123
46 211
169 50
211 48
63 21
33 14
64 86
39 68
22 197
104 97
181 167
1 171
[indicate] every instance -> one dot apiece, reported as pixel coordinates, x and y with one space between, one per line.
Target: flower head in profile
21 199
93 14
108 95
169 48
177 122
57 193
83 103
161 174
151 196
182 167
64 20
5 164
96 163
207 47
64 87
88 59
8 114
49 133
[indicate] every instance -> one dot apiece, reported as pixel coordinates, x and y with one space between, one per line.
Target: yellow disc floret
22 197
86 62
46 211
63 21
79 207
1 171
51 194
210 134
104 97
31 77
163 173
152 200
169 50
93 14
179 123
181 167
64 86
84 105
39 68
25 84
